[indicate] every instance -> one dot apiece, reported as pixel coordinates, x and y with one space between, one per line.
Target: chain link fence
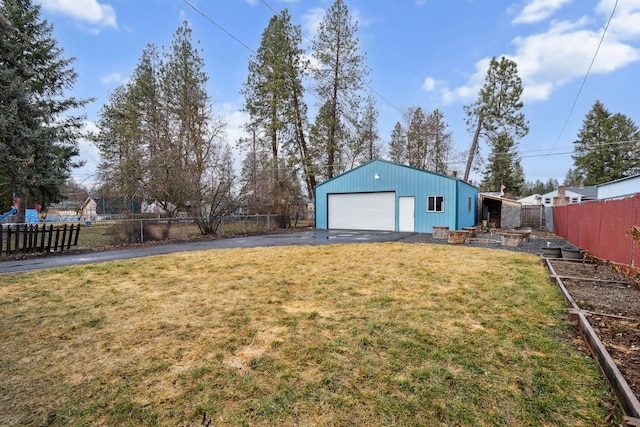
117 231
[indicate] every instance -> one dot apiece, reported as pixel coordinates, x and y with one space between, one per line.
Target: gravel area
491 239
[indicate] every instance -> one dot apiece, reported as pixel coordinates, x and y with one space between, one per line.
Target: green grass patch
371 334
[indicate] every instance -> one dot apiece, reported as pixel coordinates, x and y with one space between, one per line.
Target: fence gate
29 238
533 216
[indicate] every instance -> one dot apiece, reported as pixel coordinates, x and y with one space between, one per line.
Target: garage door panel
362 211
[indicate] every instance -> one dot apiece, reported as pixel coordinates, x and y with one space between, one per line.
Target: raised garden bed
602 300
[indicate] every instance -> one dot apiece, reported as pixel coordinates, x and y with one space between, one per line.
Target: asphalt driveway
311 238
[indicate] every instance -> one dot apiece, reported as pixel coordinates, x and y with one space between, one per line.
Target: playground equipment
12 211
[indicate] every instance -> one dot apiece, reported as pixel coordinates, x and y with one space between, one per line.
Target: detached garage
386 196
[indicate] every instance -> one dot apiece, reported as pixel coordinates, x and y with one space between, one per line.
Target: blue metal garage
382 195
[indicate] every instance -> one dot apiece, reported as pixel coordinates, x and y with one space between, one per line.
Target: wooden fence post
50 237
8 240
55 246
75 241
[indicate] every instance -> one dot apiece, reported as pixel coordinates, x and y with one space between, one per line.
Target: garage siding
380 176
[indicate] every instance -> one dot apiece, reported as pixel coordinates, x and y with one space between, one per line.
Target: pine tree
339 78
573 178
273 98
417 139
504 167
497 109
160 141
364 145
133 131
607 147
398 144
40 132
423 141
441 144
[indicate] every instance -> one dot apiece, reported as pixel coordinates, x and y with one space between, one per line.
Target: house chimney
561 199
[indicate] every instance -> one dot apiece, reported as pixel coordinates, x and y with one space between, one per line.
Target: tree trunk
309 176
472 151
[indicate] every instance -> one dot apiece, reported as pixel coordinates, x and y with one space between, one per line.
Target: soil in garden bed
620 330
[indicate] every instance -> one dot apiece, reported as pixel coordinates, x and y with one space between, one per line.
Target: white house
534 199
619 188
562 196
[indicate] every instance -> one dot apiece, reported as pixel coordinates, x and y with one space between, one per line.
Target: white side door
406 214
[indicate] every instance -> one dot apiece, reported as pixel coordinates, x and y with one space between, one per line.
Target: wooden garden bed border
624 393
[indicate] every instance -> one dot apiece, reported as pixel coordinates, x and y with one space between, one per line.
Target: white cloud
539 10
429 84
85 11
113 78
311 20
235 118
470 89
549 60
626 19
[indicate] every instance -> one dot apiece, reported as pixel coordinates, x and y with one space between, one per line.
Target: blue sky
426 53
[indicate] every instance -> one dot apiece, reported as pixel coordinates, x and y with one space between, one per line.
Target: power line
219 26
378 94
204 15
575 101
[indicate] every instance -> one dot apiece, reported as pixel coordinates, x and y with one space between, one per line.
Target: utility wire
252 51
219 26
575 101
378 94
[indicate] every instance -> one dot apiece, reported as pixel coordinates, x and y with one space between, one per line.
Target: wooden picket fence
31 238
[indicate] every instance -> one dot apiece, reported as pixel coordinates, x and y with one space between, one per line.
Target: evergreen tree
417 139
122 159
160 141
365 146
504 167
273 99
573 178
607 147
398 144
441 144
339 78
38 131
423 141
497 109
550 185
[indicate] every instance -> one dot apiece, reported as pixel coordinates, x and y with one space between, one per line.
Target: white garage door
362 211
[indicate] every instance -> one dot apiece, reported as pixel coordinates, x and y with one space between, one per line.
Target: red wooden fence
602 228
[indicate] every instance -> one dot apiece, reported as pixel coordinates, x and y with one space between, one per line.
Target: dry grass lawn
369 334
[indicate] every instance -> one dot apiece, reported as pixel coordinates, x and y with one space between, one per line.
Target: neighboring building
71 210
89 209
569 195
534 199
619 188
68 210
382 195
